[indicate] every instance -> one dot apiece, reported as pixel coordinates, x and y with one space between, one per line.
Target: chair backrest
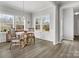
31 30
30 34
13 33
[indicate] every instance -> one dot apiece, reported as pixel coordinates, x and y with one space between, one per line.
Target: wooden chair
23 40
31 29
8 36
15 40
30 37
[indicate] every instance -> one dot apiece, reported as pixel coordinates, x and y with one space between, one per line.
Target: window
6 22
45 23
42 23
19 23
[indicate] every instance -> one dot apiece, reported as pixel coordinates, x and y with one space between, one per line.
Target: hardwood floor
42 49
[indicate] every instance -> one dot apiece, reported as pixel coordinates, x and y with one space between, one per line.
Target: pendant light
23 8
24 18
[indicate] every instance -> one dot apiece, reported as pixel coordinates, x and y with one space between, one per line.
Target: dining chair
31 37
23 40
15 41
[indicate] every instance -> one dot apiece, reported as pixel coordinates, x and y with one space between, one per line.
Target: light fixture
23 16
76 13
23 10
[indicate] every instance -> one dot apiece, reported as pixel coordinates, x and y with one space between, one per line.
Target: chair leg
20 45
31 41
34 40
27 41
10 46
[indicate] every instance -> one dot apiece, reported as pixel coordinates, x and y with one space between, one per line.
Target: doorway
67 24
76 24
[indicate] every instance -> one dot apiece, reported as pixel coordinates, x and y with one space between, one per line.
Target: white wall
68 23
45 35
52 34
76 24
61 24
57 25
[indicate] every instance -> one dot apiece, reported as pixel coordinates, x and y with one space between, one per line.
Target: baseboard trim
69 39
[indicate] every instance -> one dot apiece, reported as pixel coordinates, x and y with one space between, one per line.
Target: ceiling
61 2
31 6
76 8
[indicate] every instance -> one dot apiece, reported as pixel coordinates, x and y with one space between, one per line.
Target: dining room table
24 39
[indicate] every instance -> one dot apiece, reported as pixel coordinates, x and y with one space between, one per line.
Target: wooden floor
42 49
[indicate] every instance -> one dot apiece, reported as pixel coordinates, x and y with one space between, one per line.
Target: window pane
38 20
37 27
